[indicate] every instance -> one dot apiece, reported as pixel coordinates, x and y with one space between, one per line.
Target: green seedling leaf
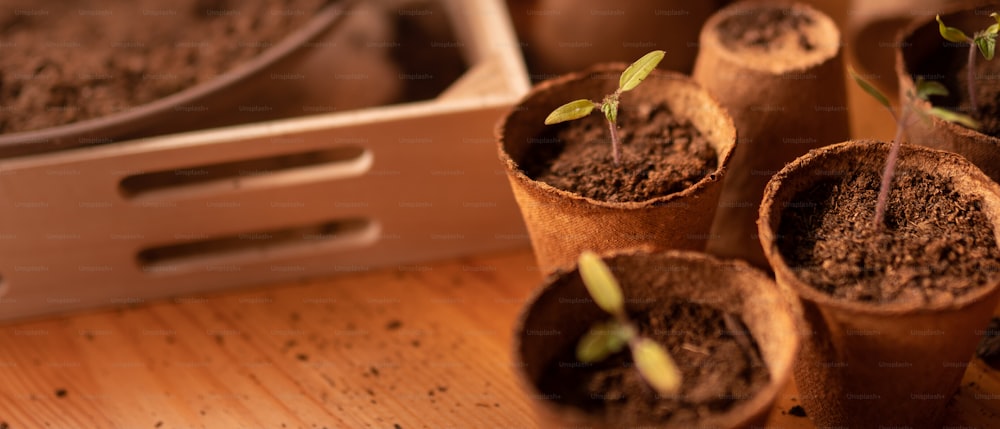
870 89
951 34
656 366
570 111
987 43
927 88
948 115
635 73
601 284
601 341
995 28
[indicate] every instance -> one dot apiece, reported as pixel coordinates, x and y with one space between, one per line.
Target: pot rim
709 40
793 171
20 143
512 168
740 413
905 79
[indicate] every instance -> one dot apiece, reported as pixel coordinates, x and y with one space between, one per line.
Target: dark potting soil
768 29
64 62
720 363
936 245
660 155
989 347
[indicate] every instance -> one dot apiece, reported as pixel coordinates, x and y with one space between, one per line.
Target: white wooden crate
386 186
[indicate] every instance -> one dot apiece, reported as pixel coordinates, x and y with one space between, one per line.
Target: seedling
607 338
985 40
630 78
924 90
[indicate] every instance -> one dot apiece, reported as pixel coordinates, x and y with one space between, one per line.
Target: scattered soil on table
950 67
393 325
769 30
937 244
720 363
989 347
61 393
797 411
661 154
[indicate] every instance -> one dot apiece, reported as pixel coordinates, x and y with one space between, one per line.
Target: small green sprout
924 90
630 78
609 337
985 40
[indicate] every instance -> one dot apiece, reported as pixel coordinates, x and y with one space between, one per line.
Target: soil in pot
660 155
719 360
66 62
769 30
937 245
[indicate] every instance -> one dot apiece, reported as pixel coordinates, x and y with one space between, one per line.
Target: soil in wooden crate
661 154
769 29
65 62
936 245
68 61
718 358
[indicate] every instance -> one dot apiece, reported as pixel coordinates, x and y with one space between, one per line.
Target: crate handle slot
226 252
207 179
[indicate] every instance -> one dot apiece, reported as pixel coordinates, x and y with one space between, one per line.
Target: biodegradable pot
561 224
562 36
561 311
921 51
849 372
784 100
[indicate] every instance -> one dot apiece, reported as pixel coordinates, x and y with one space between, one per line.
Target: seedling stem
630 78
924 90
984 40
606 338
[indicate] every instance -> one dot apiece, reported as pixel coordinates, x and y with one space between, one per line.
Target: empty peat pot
922 52
776 66
731 374
562 223
895 313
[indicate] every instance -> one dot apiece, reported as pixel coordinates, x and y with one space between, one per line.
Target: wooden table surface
416 346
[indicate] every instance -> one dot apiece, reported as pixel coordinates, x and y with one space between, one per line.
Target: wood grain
418 346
